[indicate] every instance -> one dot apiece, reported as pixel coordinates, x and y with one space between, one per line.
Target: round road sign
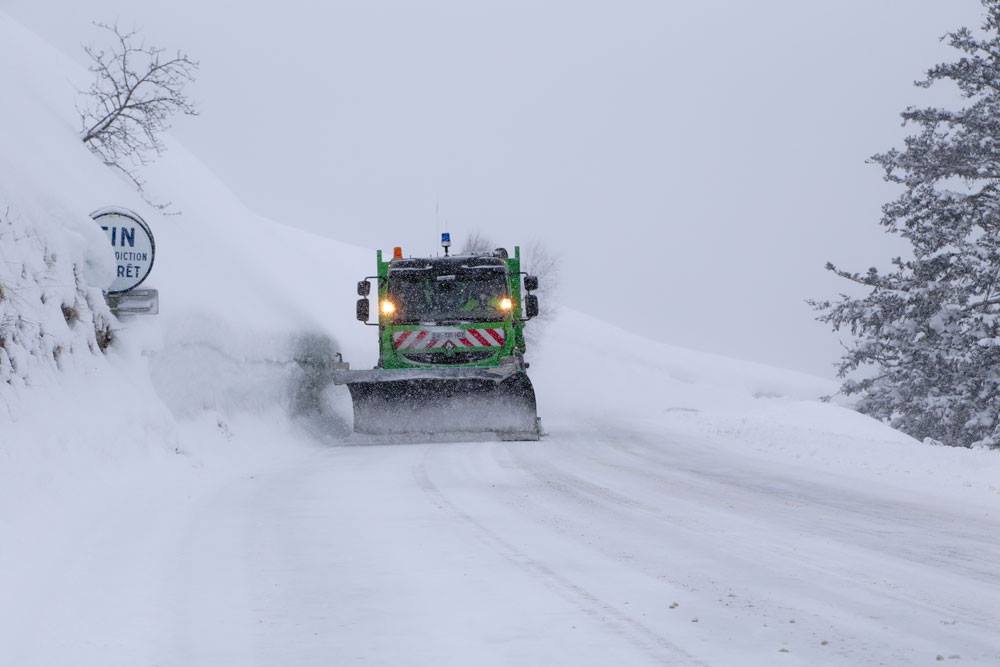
133 245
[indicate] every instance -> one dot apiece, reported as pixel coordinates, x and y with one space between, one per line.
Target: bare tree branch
135 92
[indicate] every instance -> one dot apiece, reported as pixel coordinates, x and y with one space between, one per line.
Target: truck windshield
468 296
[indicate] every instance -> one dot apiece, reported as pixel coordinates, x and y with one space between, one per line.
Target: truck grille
456 357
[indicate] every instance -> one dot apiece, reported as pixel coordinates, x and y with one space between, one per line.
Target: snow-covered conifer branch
927 332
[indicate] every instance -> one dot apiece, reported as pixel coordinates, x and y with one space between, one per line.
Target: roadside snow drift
186 497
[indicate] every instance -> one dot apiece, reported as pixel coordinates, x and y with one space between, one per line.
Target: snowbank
243 301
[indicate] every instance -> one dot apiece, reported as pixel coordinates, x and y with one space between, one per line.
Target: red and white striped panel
427 339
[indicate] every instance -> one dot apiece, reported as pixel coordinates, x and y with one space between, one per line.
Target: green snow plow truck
451 347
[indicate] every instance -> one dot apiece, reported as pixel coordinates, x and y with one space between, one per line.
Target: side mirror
531 306
364 288
531 283
363 309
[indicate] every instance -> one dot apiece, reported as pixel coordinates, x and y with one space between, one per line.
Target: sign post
135 249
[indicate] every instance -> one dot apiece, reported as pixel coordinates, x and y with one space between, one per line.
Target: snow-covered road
593 547
166 502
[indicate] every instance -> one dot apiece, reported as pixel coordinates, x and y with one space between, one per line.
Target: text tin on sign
133 245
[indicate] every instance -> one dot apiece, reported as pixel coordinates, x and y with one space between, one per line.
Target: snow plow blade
443 402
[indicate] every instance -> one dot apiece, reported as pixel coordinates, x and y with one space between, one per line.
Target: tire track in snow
769 500
655 645
893 518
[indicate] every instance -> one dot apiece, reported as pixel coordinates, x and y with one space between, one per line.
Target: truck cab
459 310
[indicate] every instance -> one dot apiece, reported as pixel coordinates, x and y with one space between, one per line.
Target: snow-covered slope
241 297
234 288
177 500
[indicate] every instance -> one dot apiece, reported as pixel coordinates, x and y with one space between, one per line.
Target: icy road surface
592 547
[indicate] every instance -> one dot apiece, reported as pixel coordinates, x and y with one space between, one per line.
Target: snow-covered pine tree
927 335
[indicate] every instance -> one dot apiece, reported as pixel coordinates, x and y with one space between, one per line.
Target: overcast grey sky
695 163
